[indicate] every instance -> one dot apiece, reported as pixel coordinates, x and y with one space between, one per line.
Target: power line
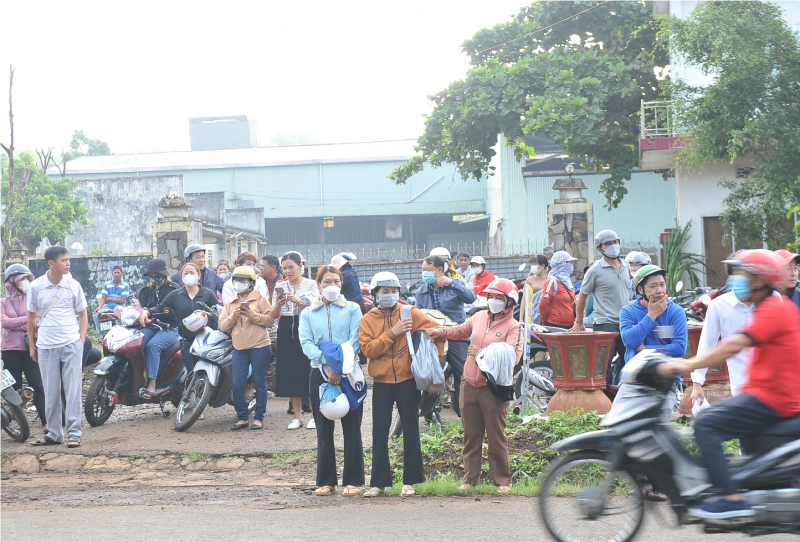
543 29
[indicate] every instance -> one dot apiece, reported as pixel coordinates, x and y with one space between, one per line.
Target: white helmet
478 259
336 409
440 251
196 321
639 258
384 278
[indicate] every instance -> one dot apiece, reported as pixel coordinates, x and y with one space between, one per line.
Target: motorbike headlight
129 316
217 353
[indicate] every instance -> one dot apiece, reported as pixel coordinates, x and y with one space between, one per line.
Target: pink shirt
483 331
14 320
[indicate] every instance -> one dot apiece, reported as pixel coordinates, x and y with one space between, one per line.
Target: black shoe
290 410
239 426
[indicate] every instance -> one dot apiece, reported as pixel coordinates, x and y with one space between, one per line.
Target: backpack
427 371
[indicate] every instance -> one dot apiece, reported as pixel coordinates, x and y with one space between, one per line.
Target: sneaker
722 509
311 424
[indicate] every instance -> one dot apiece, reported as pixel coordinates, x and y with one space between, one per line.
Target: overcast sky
132 73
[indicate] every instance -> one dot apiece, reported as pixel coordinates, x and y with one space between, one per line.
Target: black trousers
613 368
456 357
737 417
353 474
18 362
406 396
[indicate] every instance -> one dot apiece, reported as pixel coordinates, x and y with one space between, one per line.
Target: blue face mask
740 286
429 277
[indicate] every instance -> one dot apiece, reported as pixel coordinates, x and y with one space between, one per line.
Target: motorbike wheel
582 500
16 425
537 396
96 407
193 403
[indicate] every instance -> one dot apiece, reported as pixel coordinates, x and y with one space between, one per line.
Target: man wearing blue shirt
114 294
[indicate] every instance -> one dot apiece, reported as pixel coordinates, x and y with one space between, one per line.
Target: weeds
281 458
194 457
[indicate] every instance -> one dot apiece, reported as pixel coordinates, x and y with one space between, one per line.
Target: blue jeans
160 341
242 361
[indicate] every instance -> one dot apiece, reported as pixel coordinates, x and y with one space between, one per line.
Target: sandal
73 442
503 489
255 426
466 486
45 441
374 492
652 495
325 491
239 426
146 394
351 491
408 491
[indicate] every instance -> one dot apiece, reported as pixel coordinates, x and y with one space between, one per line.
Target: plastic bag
699 406
427 371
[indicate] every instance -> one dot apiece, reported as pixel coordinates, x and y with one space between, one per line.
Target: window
327 222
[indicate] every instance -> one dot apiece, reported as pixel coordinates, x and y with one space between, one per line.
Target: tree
80 145
575 72
751 110
10 200
45 208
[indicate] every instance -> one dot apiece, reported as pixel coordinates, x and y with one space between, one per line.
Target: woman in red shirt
557 302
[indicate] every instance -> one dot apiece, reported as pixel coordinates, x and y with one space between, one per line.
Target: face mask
569 268
534 269
387 301
429 277
740 286
24 285
496 305
612 251
190 280
154 282
331 293
223 276
241 287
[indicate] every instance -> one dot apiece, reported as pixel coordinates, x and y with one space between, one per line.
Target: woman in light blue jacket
334 319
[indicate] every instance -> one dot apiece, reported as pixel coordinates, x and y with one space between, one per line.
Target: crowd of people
269 303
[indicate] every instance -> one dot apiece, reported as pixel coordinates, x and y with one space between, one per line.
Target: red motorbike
123 371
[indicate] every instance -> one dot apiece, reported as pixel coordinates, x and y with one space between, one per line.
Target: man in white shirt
58 301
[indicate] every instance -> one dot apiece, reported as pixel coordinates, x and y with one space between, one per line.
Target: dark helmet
16 269
156 266
191 249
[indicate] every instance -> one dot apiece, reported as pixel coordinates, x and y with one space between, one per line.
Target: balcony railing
658 120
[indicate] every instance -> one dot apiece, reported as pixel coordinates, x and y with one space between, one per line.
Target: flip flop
351 491
45 441
146 394
325 491
652 495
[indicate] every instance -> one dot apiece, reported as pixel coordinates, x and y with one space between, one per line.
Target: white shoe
311 424
295 424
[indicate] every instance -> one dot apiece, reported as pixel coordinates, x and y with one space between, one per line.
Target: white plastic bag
699 406
428 373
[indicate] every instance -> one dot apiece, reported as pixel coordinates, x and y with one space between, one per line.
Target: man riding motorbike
772 391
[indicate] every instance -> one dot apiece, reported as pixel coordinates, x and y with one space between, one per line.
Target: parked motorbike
697 308
211 381
540 371
108 318
122 372
14 421
605 470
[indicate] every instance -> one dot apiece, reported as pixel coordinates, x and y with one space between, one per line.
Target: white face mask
534 269
496 305
331 293
24 285
612 251
241 287
190 280
387 301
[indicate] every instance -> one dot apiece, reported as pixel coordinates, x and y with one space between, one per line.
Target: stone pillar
173 232
17 254
570 222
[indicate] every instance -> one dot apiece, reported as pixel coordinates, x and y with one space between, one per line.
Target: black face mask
154 282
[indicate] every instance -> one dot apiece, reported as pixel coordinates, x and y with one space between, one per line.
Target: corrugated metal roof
376 151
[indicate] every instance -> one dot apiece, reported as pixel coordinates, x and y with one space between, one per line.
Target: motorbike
604 471
14 421
108 319
697 308
211 380
122 371
540 371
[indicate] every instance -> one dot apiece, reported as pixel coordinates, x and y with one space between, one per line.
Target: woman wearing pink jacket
481 410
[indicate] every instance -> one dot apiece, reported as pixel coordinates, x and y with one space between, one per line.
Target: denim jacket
336 322
451 299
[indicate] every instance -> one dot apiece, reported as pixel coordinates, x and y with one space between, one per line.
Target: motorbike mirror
705 300
679 287
522 267
403 290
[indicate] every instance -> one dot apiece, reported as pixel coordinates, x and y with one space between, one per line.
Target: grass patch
194 458
4 455
93 334
281 458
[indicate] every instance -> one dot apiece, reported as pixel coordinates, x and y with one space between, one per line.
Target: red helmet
504 287
763 263
787 256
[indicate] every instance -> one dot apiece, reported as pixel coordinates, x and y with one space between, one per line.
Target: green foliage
574 72
80 145
751 109
43 207
195 457
678 263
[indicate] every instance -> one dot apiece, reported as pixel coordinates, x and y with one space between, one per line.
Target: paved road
259 516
